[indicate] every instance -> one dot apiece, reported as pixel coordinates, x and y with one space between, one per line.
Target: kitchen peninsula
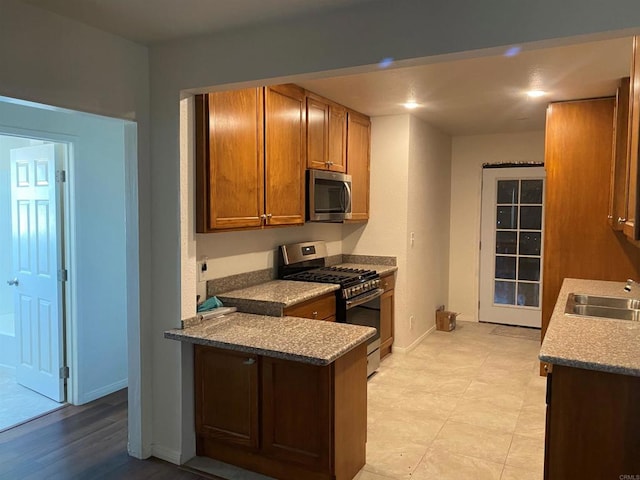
283 396
593 388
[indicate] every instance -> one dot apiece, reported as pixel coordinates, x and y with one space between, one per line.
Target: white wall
410 179
359 36
429 191
469 153
52 60
97 268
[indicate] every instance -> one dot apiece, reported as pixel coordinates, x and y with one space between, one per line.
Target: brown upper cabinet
618 192
358 151
250 148
624 199
326 134
631 227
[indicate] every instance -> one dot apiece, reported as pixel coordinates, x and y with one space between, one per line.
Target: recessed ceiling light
410 105
536 93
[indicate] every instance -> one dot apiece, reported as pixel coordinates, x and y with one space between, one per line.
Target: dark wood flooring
80 442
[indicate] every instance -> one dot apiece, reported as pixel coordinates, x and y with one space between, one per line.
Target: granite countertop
299 339
271 298
590 342
381 269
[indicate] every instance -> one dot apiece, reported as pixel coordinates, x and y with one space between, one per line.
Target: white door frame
68 247
506 314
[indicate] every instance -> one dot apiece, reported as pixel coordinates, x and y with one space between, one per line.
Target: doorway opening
511 244
31 259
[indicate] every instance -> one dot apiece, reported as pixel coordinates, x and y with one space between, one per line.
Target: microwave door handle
347 194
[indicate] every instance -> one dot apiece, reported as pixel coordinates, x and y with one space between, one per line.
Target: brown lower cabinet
593 425
282 418
387 308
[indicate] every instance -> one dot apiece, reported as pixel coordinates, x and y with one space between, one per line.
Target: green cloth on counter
209 304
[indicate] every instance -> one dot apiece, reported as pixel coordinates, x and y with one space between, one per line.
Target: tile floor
19 404
467 404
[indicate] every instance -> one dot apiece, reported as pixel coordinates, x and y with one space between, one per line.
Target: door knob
621 219
13 282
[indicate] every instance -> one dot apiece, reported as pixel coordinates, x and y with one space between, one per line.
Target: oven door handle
364 299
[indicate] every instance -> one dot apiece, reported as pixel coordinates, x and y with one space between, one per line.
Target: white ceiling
151 21
462 97
487 94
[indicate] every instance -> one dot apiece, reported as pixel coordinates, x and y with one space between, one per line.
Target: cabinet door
593 425
337 138
284 155
230 161
631 226
297 412
618 191
326 134
317 133
226 396
358 141
386 322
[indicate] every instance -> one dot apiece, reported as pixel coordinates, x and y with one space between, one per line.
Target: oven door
365 310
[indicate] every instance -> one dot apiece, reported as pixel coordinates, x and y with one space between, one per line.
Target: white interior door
511 245
36 258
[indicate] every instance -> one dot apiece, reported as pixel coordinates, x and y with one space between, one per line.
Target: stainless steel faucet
630 283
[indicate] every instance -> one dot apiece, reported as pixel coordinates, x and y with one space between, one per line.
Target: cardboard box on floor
445 320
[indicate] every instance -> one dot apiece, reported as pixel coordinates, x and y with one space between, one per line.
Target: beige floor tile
526 453
509 396
531 421
404 427
443 384
486 413
504 376
536 391
422 403
514 473
365 475
474 441
443 465
393 460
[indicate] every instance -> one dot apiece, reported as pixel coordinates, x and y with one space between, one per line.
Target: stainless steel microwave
328 196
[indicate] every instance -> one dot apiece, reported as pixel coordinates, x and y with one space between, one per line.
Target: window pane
528 269
508 191
530 243
531 218
506 267
507 218
531 191
505 293
528 294
506 242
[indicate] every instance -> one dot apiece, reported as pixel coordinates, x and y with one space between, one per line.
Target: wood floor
84 442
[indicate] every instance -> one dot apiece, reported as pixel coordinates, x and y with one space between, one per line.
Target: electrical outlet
413 238
204 270
410 322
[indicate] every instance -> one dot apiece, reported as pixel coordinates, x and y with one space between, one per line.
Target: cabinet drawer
388 282
318 308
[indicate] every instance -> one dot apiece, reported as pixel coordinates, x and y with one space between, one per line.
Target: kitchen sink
616 308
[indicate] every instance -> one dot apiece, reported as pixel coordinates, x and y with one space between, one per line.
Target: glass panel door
511 245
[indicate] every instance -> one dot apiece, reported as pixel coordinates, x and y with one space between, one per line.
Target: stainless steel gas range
358 300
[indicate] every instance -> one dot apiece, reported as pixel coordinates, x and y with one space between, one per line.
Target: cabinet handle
609 217
315 314
621 219
249 361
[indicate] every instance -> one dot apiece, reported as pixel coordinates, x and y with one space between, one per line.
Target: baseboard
464 317
102 391
166 454
414 344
